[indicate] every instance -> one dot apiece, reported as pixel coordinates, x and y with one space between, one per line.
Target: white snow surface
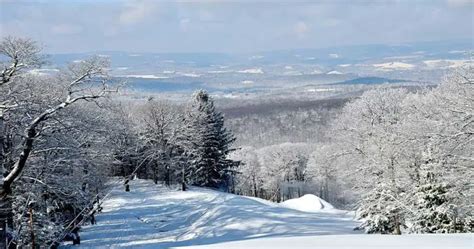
153 216
251 70
445 64
247 82
146 76
394 65
308 203
192 75
365 241
43 71
334 72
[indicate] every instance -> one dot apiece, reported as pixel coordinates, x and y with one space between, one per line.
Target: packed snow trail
153 216
359 241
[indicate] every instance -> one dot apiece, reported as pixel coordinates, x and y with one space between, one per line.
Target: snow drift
308 203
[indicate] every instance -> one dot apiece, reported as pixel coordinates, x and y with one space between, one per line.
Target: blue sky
232 26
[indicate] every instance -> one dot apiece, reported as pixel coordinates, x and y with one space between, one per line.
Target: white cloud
301 28
331 22
184 23
233 27
66 29
256 57
136 11
460 3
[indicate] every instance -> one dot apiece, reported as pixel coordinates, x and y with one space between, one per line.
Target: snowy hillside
152 216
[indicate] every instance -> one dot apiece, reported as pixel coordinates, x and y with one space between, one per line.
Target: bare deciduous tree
84 81
89 82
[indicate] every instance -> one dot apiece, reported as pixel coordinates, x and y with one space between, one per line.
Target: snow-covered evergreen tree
378 211
435 213
435 210
208 144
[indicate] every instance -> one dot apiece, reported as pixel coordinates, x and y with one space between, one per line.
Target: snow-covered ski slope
152 216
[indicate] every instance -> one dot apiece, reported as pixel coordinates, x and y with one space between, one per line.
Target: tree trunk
168 175
20 164
183 179
255 191
397 231
32 229
326 190
2 145
5 190
5 210
155 175
233 185
127 186
321 189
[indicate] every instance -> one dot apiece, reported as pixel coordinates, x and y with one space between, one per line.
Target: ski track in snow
153 216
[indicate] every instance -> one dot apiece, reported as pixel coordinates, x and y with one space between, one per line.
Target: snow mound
308 203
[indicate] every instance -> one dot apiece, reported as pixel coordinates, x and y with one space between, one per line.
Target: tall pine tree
208 144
